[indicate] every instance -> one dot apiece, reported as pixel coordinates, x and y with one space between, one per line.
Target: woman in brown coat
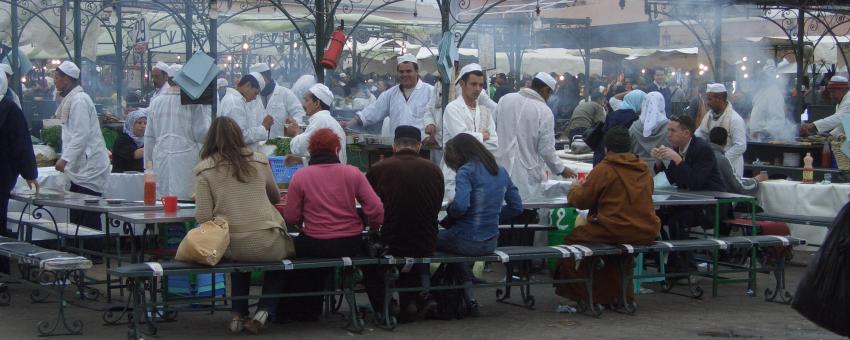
236 184
618 193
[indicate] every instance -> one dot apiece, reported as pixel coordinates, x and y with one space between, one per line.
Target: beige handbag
205 244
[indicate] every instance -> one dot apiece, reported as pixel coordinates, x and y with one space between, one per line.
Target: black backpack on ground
450 302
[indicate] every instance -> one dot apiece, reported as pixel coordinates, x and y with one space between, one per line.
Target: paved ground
659 316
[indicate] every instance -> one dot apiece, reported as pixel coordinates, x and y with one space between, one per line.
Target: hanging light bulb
537 24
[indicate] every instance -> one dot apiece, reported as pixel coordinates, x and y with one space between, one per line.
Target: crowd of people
496 148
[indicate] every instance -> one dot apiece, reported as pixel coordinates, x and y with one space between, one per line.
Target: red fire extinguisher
334 50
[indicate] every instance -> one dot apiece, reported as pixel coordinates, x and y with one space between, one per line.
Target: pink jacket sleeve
294 213
369 200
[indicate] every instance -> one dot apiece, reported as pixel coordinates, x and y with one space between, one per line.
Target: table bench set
143 306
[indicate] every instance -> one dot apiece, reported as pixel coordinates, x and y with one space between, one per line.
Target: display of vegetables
281 145
52 136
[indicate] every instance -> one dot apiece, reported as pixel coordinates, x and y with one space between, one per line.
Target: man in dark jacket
16 155
411 189
691 167
659 84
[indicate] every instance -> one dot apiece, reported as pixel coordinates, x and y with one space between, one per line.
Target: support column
119 54
801 64
589 37
15 82
213 39
78 40
320 39
187 34
718 44
445 13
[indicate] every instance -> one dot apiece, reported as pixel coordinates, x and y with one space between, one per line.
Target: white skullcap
407 58
259 78
468 68
162 67
322 93
70 69
221 82
716 88
259 67
174 69
838 79
546 79
6 68
342 74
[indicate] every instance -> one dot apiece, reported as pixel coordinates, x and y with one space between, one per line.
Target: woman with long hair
235 184
472 224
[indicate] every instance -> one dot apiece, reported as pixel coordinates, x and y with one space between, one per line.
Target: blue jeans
449 242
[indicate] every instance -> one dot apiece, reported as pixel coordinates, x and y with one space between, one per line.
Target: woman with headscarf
624 117
650 130
128 152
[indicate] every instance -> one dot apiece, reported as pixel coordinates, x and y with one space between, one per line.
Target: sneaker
473 309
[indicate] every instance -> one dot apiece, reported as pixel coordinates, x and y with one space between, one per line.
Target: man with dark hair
659 84
618 193
586 115
276 101
722 114
411 189
690 166
236 104
405 103
502 87
317 103
526 129
745 186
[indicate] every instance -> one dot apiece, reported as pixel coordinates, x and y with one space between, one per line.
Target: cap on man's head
837 83
407 58
323 94
259 78
716 88
467 69
6 69
174 69
161 66
617 140
221 82
407 131
70 69
546 79
259 68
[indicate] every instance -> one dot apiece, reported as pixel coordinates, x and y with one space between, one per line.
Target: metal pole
187 35
320 40
78 40
589 37
445 14
801 63
14 61
213 39
718 49
291 62
119 54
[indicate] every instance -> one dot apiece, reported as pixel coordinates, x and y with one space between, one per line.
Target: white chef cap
162 67
838 79
546 79
221 82
716 88
259 78
70 69
260 67
467 69
174 69
407 58
322 93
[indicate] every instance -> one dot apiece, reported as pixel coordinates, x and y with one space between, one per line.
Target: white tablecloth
128 186
795 198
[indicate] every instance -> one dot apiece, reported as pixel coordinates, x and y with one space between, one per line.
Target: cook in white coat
405 103
160 76
84 159
235 105
527 136
276 101
8 73
838 92
316 103
173 140
723 115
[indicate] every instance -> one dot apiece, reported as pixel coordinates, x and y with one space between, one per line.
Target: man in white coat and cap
465 115
723 115
159 76
8 73
838 89
173 140
405 103
84 158
527 136
236 105
317 102
276 101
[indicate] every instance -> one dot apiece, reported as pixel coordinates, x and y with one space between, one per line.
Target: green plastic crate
564 219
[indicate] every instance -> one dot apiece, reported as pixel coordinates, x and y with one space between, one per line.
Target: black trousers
679 221
4 207
309 308
373 279
85 218
240 285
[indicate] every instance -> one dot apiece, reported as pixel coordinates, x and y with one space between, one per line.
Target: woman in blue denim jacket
472 224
